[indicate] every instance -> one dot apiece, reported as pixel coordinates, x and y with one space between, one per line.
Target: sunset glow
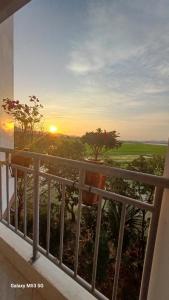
53 129
8 126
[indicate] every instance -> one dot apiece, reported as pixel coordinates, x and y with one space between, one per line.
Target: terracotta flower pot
94 179
19 160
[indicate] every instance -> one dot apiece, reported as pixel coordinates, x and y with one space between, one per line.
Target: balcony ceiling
9 7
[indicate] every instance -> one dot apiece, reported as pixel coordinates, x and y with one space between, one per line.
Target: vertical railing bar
81 181
62 224
0 191
15 197
119 251
36 208
7 187
25 204
96 245
151 244
48 218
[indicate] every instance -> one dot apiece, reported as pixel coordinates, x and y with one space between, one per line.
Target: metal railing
159 182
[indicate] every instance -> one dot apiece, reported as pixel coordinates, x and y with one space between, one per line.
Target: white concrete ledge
57 284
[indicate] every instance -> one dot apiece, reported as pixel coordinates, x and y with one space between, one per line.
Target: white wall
6 80
159 280
6 90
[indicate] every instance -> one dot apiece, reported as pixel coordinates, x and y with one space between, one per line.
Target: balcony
34 258
11 277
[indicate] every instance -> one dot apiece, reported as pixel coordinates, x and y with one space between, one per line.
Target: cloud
163 70
114 69
117 32
107 40
83 64
123 42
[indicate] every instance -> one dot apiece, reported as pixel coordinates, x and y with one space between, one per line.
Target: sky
96 63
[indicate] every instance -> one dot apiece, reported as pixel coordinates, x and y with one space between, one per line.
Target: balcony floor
8 275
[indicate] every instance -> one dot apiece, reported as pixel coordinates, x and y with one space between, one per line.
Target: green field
130 151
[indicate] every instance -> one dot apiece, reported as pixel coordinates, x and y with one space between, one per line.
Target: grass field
130 151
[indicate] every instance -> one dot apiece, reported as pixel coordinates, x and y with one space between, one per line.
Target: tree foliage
25 116
67 147
101 140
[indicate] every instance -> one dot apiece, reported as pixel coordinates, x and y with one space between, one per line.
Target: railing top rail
105 170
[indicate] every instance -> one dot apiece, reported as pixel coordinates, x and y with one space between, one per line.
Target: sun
53 129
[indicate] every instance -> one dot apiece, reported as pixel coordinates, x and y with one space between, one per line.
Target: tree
68 147
25 116
100 141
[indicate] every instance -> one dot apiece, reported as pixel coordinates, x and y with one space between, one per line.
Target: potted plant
98 141
26 116
20 160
